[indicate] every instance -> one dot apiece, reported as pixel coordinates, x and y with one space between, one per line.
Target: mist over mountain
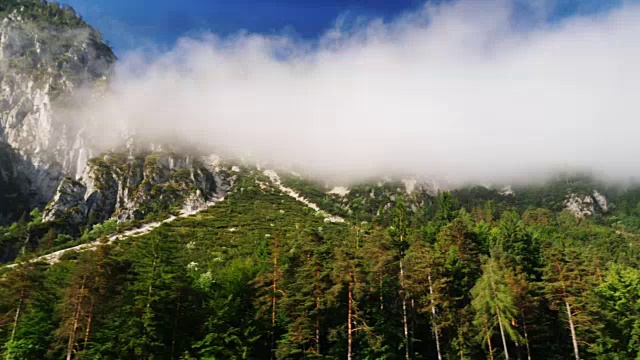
455 92
442 185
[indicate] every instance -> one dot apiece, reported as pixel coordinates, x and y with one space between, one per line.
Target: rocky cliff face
581 205
130 187
46 52
50 61
68 204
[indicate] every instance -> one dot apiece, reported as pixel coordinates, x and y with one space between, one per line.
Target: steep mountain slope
237 229
50 61
263 271
46 52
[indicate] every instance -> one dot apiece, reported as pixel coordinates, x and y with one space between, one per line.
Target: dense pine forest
465 274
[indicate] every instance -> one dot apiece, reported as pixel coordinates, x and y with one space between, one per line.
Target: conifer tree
382 280
515 246
399 233
526 303
19 285
269 288
427 286
567 280
616 305
306 281
349 279
494 304
458 258
157 276
85 290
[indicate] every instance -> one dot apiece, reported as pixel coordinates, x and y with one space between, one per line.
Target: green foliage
260 275
617 306
494 303
108 227
63 239
43 12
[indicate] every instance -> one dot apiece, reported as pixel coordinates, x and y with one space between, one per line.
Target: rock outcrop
68 204
133 187
582 205
46 53
50 62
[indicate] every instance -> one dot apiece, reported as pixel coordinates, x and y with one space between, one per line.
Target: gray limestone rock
68 203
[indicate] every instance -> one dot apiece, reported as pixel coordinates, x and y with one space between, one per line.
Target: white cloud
450 91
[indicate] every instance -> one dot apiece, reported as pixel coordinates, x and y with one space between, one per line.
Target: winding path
54 257
275 179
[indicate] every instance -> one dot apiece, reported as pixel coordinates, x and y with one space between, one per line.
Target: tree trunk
76 319
350 319
489 340
412 316
153 276
275 291
88 329
316 292
317 325
504 339
404 312
15 321
175 326
381 287
526 336
433 318
516 342
461 339
145 325
573 331
274 301
569 316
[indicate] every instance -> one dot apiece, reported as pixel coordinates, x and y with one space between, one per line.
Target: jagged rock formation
68 204
581 205
134 187
412 185
46 52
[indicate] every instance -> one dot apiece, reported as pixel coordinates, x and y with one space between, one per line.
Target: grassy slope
241 224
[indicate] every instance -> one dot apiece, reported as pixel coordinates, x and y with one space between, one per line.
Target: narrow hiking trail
275 179
54 257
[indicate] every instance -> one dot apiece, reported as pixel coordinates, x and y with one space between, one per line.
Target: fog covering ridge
453 91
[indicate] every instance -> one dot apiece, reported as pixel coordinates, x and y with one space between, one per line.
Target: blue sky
129 24
400 98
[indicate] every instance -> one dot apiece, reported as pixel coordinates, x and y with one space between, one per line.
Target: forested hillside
142 251
259 275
